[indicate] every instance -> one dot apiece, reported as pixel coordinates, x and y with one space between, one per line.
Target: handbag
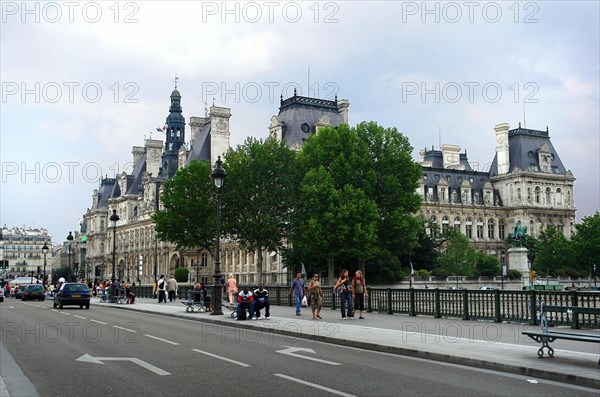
304 301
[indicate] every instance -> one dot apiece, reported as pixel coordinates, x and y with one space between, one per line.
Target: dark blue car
72 294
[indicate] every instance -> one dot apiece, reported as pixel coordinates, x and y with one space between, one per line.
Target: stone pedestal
517 259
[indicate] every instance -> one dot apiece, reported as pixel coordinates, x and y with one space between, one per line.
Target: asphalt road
107 352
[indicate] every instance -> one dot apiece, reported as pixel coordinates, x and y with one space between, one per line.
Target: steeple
175 134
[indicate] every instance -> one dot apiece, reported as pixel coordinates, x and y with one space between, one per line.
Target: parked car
487 288
19 290
77 294
33 291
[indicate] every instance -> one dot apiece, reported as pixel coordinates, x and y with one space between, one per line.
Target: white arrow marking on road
98 360
291 351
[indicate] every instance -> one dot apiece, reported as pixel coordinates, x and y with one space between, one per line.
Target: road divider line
161 339
124 329
99 322
54 310
241 364
324 388
68 314
83 318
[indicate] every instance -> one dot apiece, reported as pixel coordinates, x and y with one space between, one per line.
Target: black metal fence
491 305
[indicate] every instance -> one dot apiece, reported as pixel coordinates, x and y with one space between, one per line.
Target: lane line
325 388
124 329
83 318
241 364
99 322
161 339
68 314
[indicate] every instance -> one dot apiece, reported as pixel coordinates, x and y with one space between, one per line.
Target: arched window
548 196
501 229
537 194
491 227
480 229
457 224
469 228
445 224
558 196
204 259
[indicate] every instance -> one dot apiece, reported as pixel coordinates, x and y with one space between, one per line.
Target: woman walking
316 296
232 288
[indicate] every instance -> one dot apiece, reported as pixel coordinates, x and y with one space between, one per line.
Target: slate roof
524 145
200 150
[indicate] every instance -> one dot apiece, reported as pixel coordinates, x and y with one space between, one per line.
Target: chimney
154 149
219 132
502 151
138 152
343 105
451 156
196 124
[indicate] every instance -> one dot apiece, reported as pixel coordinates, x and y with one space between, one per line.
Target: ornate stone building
526 183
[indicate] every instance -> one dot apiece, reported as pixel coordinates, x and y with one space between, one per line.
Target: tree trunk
259 268
330 270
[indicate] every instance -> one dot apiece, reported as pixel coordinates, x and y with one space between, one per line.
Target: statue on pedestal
518 238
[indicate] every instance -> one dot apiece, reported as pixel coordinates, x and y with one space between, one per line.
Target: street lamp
218 175
70 238
113 293
45 252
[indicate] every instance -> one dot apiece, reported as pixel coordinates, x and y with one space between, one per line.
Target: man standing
172 289
299 291
161 286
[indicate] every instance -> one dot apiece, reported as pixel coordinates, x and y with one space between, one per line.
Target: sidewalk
481 344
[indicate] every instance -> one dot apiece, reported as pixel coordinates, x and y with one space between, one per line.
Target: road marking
161 339
98 360
124 329
54 310
325 388
99 322
291 351
83 318
68 314
241 364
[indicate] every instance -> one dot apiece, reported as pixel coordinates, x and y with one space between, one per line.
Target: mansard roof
524 146
200 149
454 178
436 157
134 181
300 115
107 186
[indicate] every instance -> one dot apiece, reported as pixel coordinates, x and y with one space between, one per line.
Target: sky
83 82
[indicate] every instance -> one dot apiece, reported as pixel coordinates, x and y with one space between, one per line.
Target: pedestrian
316 296
299 291
161 287
172 289
232 288
344 286
359 293
202 288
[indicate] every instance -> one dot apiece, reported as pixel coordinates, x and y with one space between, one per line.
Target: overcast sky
84 82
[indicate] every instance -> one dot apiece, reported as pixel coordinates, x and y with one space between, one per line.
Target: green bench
546 337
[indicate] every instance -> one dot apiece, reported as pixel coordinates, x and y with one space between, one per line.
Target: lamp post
45 252
69 239
218 174
595 274
155 258
113 293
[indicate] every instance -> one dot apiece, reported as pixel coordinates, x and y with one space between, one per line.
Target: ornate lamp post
45 252
69 239
113 293
218 175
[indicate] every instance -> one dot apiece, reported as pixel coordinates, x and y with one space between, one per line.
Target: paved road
212 357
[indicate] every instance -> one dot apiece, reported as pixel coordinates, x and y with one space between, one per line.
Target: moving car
76 294
34 291
19 290
487 288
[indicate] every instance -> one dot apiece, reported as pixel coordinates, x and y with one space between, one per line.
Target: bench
546 337
195 300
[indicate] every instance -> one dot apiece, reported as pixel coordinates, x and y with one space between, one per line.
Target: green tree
487 265
586 243
257 196
349 172
459 257
188 216
554 254
181 274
